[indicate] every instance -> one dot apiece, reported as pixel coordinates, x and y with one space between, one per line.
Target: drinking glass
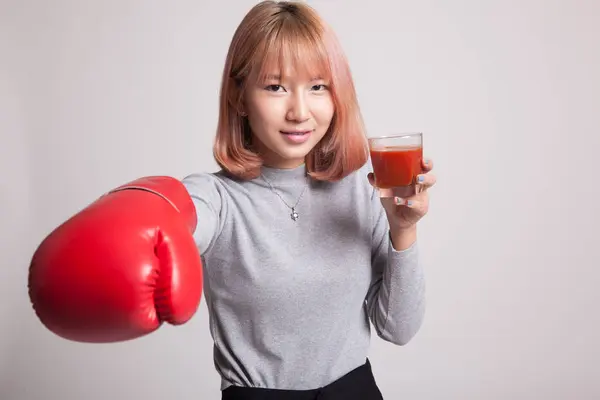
397 161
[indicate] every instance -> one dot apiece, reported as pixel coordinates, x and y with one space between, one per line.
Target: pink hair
270 33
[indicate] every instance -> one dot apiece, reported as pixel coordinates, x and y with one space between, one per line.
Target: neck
285 176
283 163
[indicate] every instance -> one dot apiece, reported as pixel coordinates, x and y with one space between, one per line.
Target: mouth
296 133
297 136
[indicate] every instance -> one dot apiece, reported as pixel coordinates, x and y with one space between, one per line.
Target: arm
205 192
396 298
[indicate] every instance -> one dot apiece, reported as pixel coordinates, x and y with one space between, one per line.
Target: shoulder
200 182
359 178
213 186
367 167
206 186
355 184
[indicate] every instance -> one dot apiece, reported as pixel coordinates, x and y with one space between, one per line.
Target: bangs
292 48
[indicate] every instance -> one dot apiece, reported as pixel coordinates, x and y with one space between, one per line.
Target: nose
298 110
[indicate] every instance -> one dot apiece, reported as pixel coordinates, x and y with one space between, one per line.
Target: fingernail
426 161
421 178
399 200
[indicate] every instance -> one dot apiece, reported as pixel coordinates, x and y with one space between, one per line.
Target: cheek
325 110
267 112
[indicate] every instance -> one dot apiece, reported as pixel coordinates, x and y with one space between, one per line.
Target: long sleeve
203 188
396 298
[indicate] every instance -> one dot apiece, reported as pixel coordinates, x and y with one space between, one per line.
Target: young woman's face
288 116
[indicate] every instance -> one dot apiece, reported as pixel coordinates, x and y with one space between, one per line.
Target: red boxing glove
122 266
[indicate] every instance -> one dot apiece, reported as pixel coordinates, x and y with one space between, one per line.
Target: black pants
358 384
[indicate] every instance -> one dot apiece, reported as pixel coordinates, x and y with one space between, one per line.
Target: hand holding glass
397 161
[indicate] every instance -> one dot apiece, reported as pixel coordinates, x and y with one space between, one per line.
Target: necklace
294 214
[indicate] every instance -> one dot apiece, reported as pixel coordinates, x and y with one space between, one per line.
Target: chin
286 151
294 155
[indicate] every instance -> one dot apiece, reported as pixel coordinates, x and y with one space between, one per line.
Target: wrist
403 238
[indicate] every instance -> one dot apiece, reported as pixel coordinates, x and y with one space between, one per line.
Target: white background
96 93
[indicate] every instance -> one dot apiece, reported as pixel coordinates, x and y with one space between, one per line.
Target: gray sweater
290 301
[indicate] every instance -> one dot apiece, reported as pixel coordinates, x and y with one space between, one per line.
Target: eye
319 88
274 88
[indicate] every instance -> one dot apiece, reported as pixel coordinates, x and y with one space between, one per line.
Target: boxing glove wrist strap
146 190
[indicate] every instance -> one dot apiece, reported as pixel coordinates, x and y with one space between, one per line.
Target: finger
425 181
427 164
418 205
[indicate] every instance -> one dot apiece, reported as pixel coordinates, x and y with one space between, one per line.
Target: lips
297 136
299 133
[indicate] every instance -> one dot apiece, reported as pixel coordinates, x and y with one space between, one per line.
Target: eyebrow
273 77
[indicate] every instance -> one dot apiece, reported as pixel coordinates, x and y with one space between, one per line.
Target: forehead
290 72
293 58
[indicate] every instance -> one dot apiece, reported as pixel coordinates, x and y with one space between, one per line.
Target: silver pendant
294 214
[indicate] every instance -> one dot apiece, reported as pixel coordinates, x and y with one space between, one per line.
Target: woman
295 250
299 250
